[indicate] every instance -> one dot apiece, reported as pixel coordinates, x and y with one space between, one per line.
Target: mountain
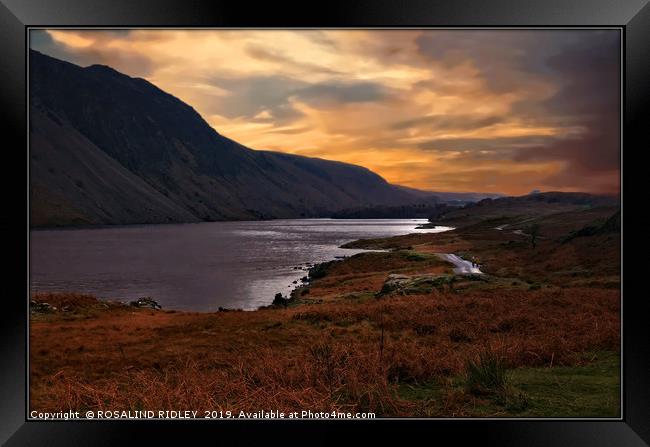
106 148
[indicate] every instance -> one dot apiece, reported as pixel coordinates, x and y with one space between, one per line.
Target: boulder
414 284
146 302
40 307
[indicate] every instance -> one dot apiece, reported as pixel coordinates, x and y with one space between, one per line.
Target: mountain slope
74 182
110 149
526 207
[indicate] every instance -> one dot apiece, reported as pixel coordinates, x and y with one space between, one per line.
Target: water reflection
197 266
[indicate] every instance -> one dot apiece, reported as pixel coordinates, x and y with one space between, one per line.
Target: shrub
414 256
279 300
487 375
321 270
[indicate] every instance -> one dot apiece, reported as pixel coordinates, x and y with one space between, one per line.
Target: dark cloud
106 35
128 62
483 144
589 75
338 92
506 59
41 40
249 97
592 153
456 122
387 47
589 97
274 96
584 66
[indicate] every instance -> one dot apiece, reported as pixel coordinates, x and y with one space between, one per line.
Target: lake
201 266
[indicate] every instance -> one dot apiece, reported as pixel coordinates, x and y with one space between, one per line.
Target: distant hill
106 148
531 205
553 197
451 197
429 205
415 211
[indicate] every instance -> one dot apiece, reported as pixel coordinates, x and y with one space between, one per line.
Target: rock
40 308
146 302
225 309
414 284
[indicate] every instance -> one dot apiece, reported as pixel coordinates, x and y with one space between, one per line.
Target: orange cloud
490 111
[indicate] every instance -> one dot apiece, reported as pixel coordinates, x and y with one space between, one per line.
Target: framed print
226 219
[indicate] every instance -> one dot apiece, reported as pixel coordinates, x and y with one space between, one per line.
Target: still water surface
201 266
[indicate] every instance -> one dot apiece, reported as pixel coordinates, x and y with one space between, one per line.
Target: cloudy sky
447 110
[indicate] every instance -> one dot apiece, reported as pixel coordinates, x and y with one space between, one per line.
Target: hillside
524 207
106 148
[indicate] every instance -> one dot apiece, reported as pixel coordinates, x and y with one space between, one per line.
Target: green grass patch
412 255
590 390
359 297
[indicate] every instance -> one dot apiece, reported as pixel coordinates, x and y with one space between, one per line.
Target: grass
486 375
412 255
584 390
592 390
323 356
339 347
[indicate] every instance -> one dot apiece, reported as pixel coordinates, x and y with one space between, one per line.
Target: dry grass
341 349
589 261
320 357
73 301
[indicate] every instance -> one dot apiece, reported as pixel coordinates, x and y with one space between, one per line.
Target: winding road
463 267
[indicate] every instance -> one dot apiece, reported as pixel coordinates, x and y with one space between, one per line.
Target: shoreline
390 331
130 225
292 299
294 284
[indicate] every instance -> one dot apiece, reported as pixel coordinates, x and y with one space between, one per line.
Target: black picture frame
17 15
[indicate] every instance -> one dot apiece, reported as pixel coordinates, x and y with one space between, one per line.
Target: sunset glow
440 110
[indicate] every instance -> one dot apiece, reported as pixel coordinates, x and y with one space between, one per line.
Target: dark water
197 266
